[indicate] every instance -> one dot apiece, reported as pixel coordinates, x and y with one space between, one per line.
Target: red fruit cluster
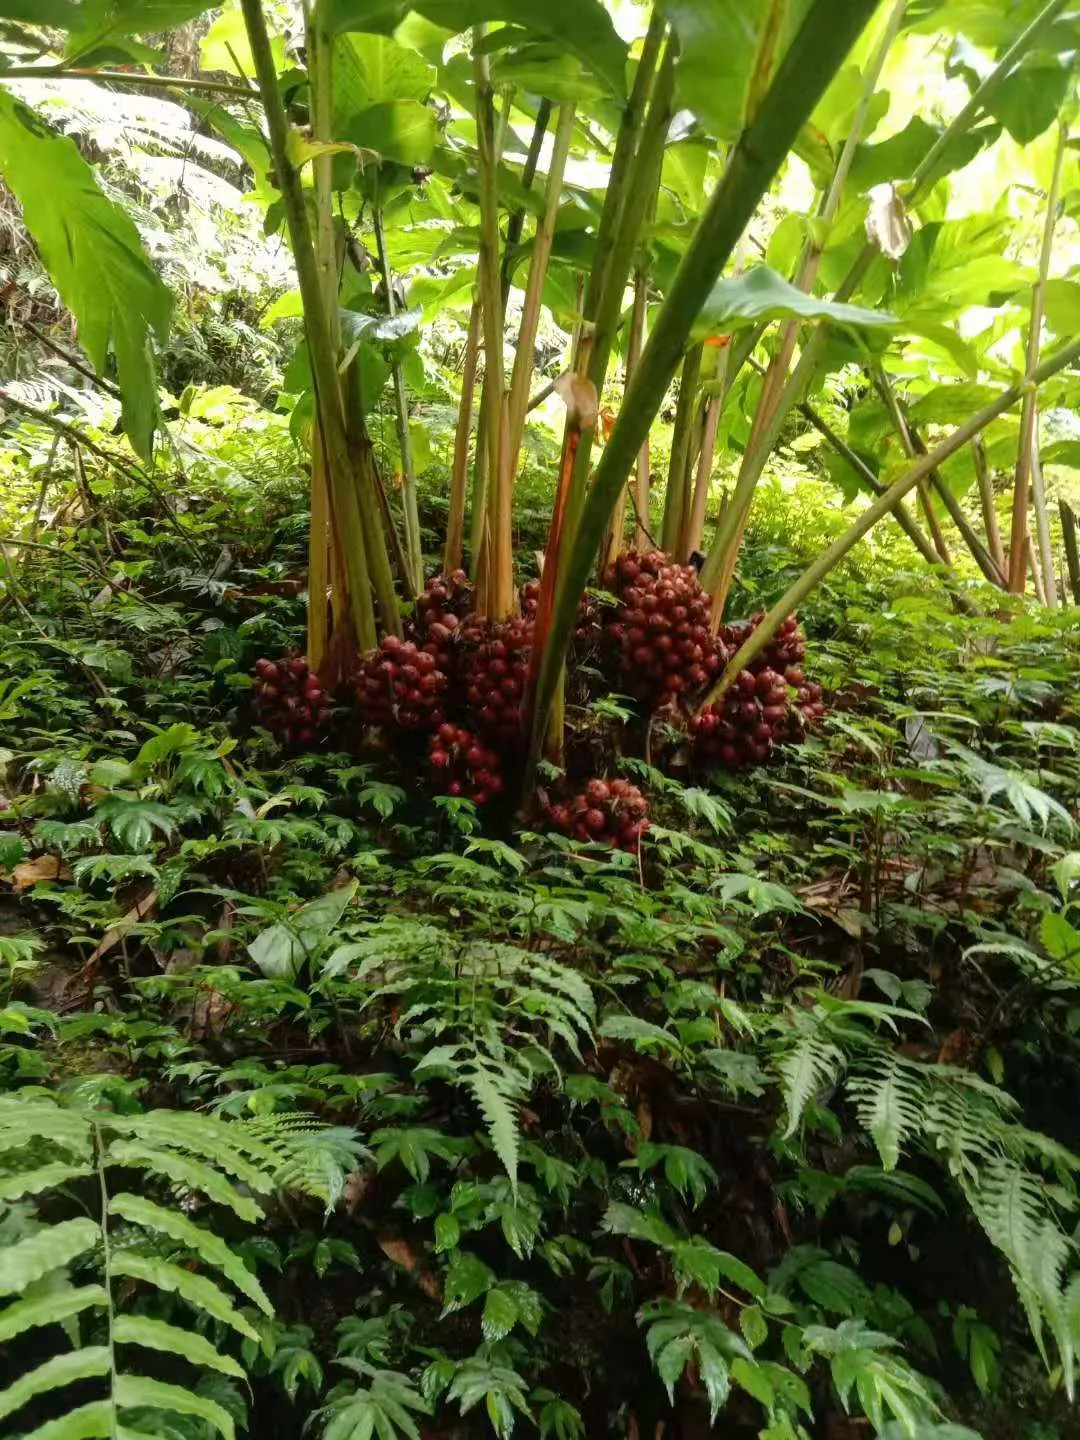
661 627
493 665
784 654
462 765
439 611
743 727
290 701
400 685
607 810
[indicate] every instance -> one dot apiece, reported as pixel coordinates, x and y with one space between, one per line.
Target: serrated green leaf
197 1290
447 1233
159 1335
500 1315
209 1247
137 1391
187 1171
60 1370
51 1309
467 1277
754 1326
28 1260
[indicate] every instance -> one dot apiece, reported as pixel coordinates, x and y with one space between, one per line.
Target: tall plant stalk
634 346
828 31
1072 549
459 472
988 505
414 559
497 533
1029 412
524 358
778 394
829 558
677 497
351 509
1044 545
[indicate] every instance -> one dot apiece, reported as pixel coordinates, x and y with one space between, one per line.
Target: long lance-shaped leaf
827 34
353 506
1029 412
812 576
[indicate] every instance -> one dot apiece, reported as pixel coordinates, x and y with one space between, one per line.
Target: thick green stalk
988 505
459 474
812 576
414 558
913 446
347 498
677 497
516 222
634 346
1045 556
827 34
1029 413
1072 550
901 514
778 396
524 356
498 522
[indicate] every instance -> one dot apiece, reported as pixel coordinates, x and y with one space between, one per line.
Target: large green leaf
719 42
281 950
58 14
581 26
92 251
102 20
1061 299
761 294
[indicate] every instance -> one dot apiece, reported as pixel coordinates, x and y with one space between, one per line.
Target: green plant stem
459 473
1072 550
634 345
1045 553
499 569
524 356
812 576
353 510
516 222
913 446
1029 412
142 80
677 496
828 31
106 1268
987 503
901 514
414 558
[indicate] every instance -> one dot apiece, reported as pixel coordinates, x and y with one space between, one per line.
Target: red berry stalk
400 686
660 630
606 810
290 701
462 765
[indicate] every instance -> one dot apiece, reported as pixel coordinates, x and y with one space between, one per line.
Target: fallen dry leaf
146 905
42 867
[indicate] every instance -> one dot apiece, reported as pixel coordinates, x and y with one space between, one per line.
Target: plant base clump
291 702
660 630
612 811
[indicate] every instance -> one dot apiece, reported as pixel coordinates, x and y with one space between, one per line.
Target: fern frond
45 1177
138 1391
47 1250
498 1096
890 1097
208 1247
154 1334
63 1369
805 1069
186 1171
200 1293
89 1422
